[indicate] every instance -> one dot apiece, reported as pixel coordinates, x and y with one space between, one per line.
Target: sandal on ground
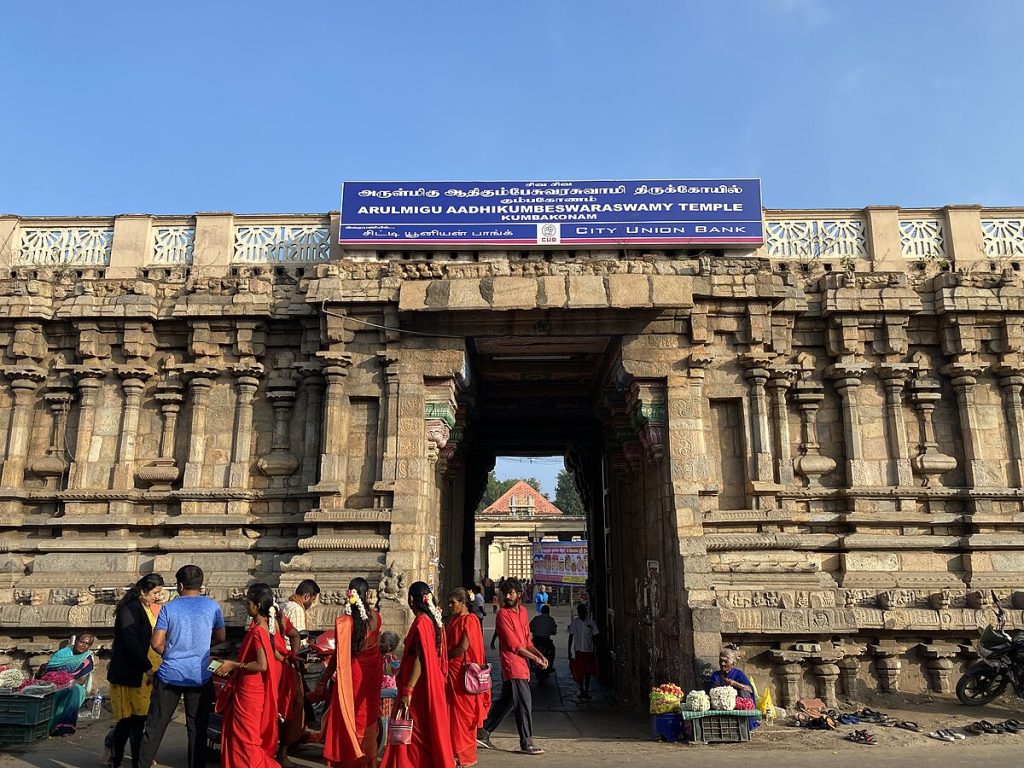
908 725
1011 727
975 728
849 719
862 737
942 735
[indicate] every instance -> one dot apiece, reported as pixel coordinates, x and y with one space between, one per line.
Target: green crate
24 734
720 728
18 709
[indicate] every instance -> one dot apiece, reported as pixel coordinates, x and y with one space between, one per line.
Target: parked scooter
1001 664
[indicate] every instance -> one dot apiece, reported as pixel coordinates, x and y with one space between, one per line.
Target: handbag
476 678
400 731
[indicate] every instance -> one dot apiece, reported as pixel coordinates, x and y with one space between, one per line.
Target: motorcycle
1001 664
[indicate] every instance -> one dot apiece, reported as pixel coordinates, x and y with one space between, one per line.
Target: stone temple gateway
814 450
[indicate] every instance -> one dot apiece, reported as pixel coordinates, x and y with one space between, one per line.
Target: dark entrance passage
563 383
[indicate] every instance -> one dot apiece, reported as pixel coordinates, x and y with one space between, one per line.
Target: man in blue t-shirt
185 629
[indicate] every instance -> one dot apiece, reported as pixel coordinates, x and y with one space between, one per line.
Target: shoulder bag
476 678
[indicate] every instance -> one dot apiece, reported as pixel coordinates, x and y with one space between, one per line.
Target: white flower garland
354 600
434 610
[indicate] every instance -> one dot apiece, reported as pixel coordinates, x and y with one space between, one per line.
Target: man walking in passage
185 629
515 652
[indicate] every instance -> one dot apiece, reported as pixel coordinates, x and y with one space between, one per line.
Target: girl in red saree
350 722
466 711
249 735
421 689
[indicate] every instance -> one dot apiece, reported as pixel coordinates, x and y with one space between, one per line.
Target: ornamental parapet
876 238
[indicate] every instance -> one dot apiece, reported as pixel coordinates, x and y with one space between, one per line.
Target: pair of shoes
908 725
862 737
483 739
849 720
944 734
532 749
1013 726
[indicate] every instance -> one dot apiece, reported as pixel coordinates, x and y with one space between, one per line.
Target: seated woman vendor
71 667
728 674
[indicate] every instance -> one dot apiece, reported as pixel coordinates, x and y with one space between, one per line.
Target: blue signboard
717 212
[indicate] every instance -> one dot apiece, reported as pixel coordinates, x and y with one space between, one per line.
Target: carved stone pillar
313 386
89 382
199 389
334 433
929 463
280 463
939 663
788 671
760 435
133 383
54 464
1012 382
824 666
164 471
810 464
849 669
247 382
894 378
847 380
778 385
977 470
888 662
389 463
25 380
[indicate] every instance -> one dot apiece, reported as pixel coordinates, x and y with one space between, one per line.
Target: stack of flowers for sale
697 701
723 698
666 698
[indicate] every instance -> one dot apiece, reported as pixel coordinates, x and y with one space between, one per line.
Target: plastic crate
719 728
23 734
18 709
668 727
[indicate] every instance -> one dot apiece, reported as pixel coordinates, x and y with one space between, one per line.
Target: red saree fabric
291 689
466 711
341 742
367 674
431 745
249 734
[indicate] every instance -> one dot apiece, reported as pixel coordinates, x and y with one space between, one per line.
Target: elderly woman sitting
728 674
73 663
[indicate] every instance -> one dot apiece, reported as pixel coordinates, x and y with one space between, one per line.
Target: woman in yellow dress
132 664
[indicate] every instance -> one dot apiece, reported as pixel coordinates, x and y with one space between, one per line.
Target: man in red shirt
515 651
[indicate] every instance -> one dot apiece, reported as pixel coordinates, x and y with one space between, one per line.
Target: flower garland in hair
428 600
272 619
355 600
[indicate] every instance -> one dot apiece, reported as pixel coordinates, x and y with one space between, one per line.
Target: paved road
595 735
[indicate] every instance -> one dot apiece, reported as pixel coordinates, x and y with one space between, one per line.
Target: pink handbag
476 678
400 731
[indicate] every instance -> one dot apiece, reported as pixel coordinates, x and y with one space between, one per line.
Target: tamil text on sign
718 212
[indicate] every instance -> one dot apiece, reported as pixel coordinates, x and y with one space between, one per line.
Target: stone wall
815 450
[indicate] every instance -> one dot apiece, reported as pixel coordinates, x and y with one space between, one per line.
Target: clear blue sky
267 106
114 107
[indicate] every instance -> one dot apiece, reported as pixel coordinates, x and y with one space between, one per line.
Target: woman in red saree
350 722
421 689
249 732
289 686
466 711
